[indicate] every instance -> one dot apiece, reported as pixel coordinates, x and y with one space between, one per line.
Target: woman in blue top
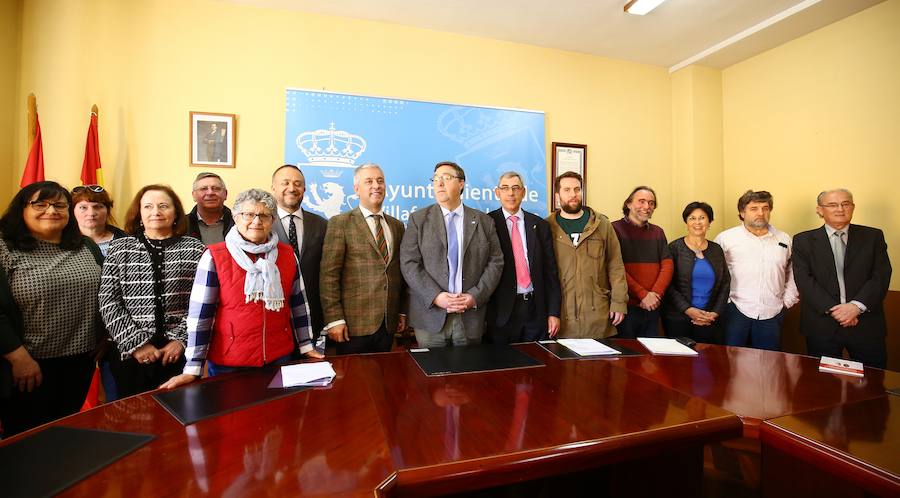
699 290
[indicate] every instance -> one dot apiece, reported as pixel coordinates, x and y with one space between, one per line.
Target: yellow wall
820 112
10 30
697 144
148 63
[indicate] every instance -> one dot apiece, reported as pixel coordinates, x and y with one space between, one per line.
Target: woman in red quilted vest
248 305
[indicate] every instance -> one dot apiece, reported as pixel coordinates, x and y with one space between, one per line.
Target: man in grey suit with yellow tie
451 259
360 282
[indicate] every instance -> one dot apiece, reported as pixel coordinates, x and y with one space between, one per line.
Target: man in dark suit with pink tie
525 305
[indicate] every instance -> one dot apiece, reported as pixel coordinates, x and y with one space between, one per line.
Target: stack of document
841 366
319 373
666 346
587 347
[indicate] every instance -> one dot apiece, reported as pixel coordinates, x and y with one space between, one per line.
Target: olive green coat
592 278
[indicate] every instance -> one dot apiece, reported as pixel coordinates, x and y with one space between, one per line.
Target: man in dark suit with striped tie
302 230
525 305
843 272
361 286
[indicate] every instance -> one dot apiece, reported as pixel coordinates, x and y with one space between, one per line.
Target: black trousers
65 383
638 322
133 377
868 350
381 341
523 325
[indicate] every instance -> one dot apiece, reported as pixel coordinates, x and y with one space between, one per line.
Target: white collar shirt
762 279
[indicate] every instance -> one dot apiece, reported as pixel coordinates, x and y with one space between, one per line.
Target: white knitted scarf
263 280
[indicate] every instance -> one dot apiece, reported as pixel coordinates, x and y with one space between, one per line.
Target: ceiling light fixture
641 7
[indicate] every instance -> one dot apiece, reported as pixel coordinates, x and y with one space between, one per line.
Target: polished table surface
383 426
755 384
857 442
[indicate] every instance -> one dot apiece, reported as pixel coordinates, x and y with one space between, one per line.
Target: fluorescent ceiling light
641 7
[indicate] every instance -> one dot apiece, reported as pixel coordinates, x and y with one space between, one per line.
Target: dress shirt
459 236
762 279
283 216
388 237
520 221
830 231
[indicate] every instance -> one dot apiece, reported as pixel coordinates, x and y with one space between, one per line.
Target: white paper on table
306 373
665 346
587 347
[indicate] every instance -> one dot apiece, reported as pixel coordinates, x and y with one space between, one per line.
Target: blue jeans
213 369
741 330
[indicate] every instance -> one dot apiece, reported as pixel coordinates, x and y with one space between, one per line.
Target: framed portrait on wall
212 139
568 157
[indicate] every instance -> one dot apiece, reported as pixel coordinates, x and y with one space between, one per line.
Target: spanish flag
34 166
91 174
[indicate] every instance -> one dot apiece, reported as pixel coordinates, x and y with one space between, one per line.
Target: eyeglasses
446 177
93 188
263 217
834 205
42 206
209 188
515 188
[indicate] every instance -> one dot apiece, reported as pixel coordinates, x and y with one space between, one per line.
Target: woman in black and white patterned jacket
145 288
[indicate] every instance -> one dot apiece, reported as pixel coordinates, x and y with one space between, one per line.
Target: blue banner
329 134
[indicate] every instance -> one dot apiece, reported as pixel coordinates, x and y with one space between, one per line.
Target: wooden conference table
384 428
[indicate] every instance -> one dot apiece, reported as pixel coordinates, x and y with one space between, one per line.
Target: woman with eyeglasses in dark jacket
697 296
48 308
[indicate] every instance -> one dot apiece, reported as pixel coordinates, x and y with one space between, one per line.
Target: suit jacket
423 261
541 267
194 222
867 275
355 283
314 227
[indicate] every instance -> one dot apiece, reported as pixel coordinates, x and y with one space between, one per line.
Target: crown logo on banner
471 126
335 148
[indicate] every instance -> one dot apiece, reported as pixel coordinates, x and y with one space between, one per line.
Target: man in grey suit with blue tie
451 259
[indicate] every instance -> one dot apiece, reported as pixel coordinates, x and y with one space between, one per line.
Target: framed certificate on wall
567 157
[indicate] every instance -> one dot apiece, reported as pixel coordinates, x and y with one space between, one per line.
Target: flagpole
32 117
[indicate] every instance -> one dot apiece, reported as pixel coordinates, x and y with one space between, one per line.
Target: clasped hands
701 317
148 353
846 314
651 301
454 303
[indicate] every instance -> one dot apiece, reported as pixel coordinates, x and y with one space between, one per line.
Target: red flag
34 166
90 169
92 400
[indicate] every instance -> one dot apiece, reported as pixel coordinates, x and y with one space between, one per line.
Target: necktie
292 235
523 277
380 241
839 248
452 251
